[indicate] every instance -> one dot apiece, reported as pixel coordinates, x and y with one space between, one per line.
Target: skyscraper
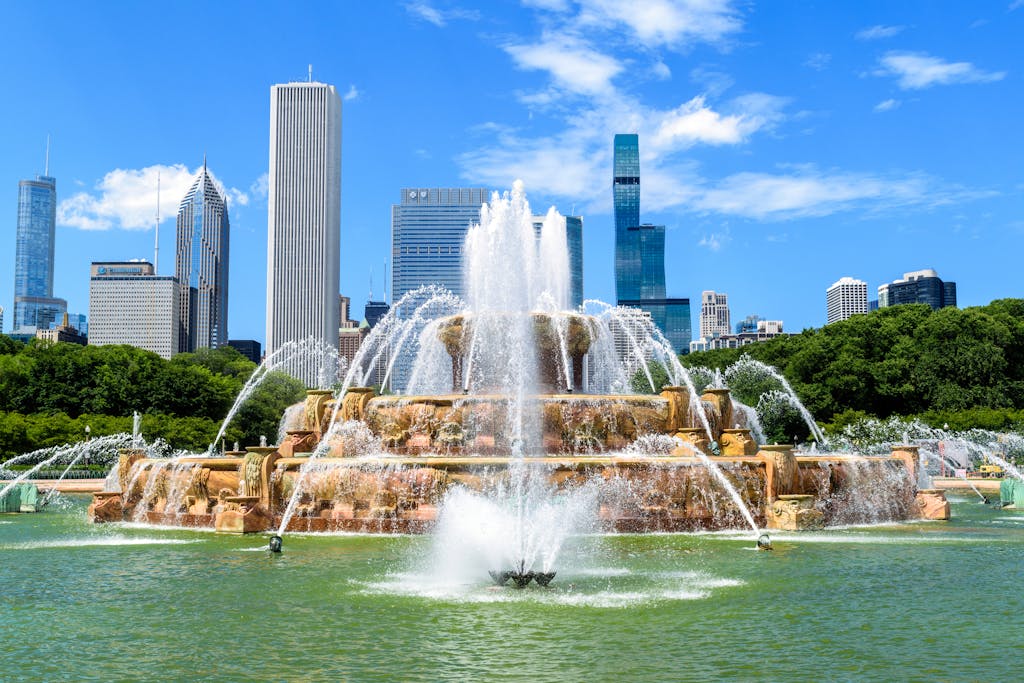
847 296
626 195
918 287
714 314
303 220
640 251
201 265
34 304
428 229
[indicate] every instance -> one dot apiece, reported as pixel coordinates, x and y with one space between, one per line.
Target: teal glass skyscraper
626 189
640 251
201 265
34 304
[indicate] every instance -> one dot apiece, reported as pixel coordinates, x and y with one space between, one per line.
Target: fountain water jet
512 432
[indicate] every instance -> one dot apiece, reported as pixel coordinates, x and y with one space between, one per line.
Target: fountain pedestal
242 515
106 506
794 512
932 504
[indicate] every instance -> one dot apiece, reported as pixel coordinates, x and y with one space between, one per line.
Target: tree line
964 367
49 393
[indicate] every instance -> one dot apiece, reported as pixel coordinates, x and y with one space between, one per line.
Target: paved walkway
70 485
958 484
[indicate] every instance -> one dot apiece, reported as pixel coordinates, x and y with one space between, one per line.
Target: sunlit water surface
926 601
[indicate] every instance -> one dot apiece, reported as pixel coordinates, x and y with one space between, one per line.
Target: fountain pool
923 601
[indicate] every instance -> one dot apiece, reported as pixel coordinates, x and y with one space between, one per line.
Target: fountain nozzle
275 544
543 578
764 542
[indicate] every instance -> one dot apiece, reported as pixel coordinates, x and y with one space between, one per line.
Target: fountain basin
403 494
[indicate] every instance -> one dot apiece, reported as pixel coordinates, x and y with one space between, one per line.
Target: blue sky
784 145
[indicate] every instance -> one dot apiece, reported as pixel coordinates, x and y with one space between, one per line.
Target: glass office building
428 228
34 304
626 196
640 251
201 265
672 316
918 287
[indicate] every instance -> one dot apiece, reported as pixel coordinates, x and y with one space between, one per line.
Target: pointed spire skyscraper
201 265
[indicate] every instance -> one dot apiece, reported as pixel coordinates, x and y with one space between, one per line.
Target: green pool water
926 601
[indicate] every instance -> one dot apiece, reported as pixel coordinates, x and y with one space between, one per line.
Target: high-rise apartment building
640 251
574 245
130 304
846 297
303 221
428 228
201 265
714 314
918 287
34 304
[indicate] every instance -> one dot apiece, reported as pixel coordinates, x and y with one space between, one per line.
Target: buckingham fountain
517 427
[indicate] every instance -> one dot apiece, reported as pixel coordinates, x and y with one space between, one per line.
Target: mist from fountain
69 453
746 368
325 355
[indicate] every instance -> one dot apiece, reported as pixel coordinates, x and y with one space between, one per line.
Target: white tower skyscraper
847 296
304 220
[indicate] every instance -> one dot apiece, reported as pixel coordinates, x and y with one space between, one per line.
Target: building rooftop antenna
156 245
310 73
370 296
46 168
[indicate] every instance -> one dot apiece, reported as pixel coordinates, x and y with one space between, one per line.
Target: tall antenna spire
385 281
370 296
156 246
310 73
46 171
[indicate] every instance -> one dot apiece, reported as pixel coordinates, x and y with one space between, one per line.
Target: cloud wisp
917 70
127 198
878 32
424 11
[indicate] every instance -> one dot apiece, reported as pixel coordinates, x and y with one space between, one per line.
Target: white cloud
877 32
440 18
261 186
915 70
669 23
127 198
694 122
1015 5
571 63
715 241
425 12
807 191
887 105
575 163
661 71
819 61
551 5
351 94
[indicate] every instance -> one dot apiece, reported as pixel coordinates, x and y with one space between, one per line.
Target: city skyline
779 158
